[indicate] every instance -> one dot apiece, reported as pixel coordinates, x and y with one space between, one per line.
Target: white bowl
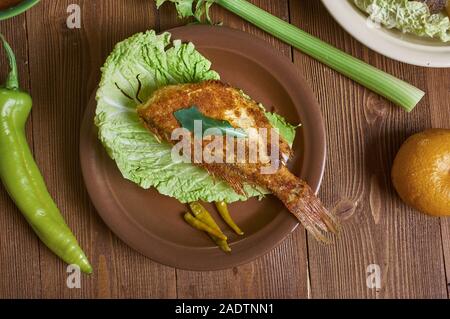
391 43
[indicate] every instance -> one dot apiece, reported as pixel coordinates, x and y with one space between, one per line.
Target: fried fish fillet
220 101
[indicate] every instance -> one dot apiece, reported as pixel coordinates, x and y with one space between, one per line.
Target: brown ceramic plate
152 223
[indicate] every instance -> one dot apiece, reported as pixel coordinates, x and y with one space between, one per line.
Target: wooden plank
20 272
283 272
64 66
438 87
364 133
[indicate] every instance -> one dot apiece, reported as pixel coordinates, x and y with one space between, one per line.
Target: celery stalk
392 88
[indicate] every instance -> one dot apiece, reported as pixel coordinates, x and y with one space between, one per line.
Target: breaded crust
214 99
220 101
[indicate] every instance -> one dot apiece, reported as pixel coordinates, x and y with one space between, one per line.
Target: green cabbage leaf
134 70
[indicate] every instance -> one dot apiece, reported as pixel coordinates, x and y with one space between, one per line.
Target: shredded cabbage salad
412 17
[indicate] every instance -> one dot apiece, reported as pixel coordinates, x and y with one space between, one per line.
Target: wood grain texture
364 133
283 272
60 67
438 85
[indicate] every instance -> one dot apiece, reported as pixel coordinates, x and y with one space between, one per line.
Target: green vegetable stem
21 177
392 88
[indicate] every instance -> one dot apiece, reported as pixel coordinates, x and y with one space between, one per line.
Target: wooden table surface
60 67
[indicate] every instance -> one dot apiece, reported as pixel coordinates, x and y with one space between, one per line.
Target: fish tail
309 210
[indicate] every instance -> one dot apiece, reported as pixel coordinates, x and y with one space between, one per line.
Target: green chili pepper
223 210
196 223
202 214
22 178
223 244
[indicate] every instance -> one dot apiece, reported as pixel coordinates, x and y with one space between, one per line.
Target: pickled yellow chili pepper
202 214
196 223
222 244
223 211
